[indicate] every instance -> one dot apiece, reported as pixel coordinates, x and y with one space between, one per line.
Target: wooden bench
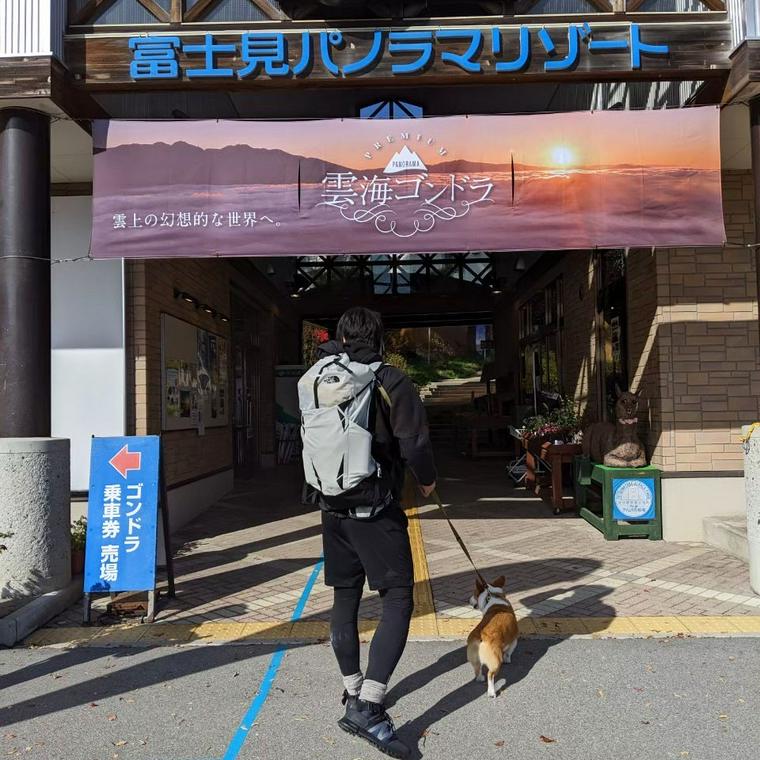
631 499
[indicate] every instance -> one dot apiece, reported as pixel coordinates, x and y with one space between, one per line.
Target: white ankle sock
353 683
372 691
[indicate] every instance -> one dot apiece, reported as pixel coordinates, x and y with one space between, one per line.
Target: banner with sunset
608 179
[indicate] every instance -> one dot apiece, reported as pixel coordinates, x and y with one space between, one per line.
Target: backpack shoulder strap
376 367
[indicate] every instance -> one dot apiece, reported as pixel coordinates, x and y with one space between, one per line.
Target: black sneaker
351 701
369 721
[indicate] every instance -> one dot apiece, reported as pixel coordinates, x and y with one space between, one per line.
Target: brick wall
692 336
578 346
578 360
186 454
710 355
150 292
645 344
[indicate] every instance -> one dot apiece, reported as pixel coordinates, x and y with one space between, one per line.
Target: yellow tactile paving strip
425 624
184 634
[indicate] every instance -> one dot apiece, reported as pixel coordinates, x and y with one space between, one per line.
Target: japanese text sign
633 499
609 179
473 50
121 514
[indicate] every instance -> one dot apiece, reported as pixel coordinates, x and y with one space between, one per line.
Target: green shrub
398 361
79 534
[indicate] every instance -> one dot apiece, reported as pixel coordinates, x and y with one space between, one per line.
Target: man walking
364 528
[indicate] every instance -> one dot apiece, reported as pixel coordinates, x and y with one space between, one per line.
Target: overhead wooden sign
576 51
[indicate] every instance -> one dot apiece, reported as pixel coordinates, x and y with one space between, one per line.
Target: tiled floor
248 558
561 566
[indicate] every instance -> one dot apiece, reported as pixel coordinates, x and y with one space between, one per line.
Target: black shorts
377 549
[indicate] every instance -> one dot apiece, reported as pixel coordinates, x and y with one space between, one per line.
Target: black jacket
400 437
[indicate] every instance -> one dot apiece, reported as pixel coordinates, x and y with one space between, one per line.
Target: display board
194 376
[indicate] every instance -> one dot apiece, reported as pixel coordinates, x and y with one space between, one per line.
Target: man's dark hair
360 325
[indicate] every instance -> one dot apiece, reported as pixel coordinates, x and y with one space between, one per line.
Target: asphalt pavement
574 699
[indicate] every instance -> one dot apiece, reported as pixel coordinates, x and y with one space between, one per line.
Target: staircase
445 399
728 533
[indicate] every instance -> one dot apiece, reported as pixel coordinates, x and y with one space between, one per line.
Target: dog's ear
479 587
499 582
618 391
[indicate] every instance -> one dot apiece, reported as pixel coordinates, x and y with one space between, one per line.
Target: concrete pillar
752 492
752 446
24 273
34 509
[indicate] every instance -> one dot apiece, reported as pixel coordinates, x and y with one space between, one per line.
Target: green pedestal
588 473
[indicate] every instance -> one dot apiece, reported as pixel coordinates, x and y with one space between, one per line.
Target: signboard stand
631 499
127 495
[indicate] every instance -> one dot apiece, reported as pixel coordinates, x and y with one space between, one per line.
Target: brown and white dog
495 636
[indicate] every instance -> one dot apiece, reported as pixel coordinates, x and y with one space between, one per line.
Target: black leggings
389 640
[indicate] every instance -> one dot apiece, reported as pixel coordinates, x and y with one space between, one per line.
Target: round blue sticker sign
633 499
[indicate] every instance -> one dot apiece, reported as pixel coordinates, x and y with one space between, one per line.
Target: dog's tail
490 656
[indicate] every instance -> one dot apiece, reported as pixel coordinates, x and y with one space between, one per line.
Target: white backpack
335 397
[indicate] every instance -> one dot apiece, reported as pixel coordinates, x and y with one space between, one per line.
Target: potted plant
78 540
560 424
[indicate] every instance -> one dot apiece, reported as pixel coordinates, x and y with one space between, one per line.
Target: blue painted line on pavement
241 734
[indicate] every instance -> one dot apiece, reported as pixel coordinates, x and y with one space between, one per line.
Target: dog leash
467 554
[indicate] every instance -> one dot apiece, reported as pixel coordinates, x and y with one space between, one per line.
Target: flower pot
77 561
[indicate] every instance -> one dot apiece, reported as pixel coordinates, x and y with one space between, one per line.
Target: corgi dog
495 636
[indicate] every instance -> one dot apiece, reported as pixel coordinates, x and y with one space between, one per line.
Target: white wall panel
88 349
32 27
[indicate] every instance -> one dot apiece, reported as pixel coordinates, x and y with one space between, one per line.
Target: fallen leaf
111 717
56 676
93 704
644 722
600 692
9 736
547 739
499 744
119 743
684 754
732 658
723 716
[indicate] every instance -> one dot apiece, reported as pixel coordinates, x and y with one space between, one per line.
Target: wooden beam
697 51
199 10
715 5
88 11
605 6
70 188
156 10
269 9
177 7
744 80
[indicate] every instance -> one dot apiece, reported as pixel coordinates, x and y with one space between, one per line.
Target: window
611 307
540 329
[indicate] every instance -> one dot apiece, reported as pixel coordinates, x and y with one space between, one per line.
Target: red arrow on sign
125 460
